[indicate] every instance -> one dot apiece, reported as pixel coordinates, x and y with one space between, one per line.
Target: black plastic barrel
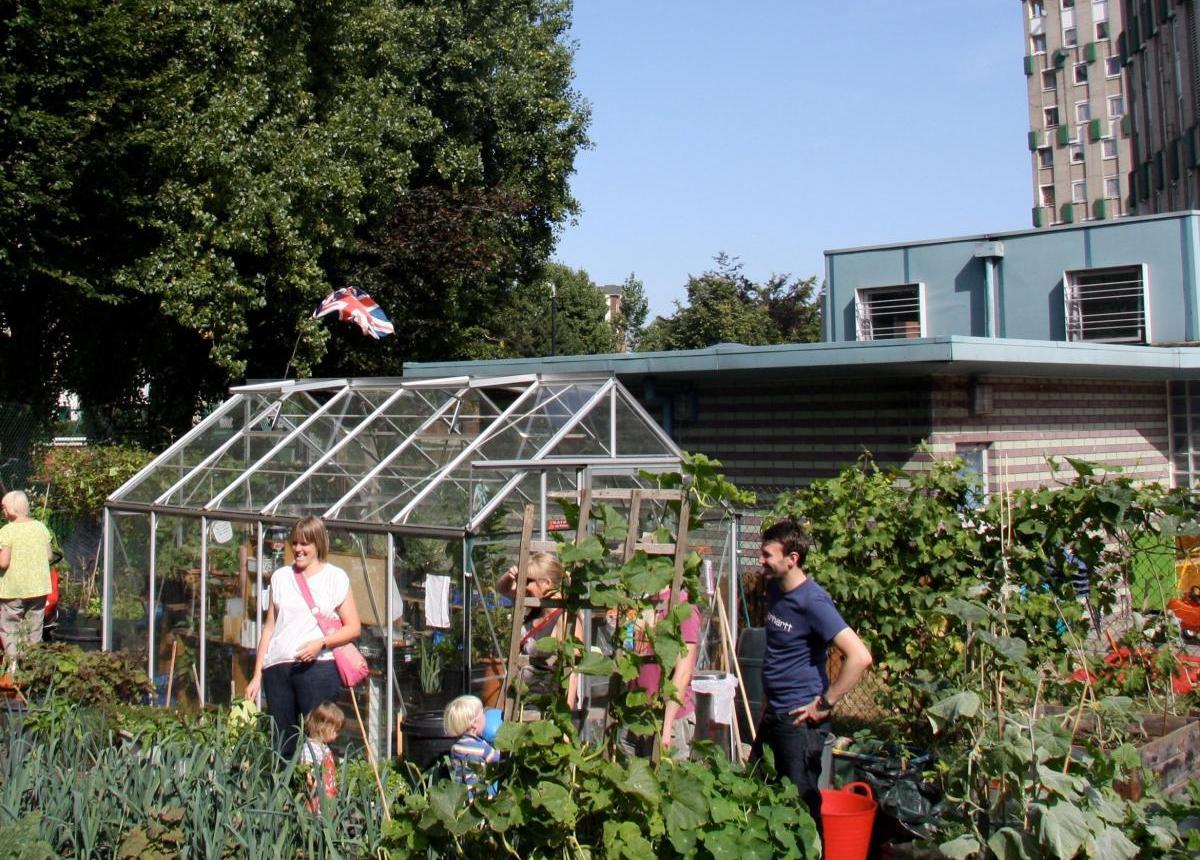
87 638
752 648
425 740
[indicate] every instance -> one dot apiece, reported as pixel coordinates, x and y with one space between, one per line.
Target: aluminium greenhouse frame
398 459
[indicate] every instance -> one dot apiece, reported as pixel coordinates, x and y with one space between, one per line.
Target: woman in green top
25 559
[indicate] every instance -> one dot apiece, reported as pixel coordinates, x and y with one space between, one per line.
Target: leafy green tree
181 184
631 323
522 328
725 306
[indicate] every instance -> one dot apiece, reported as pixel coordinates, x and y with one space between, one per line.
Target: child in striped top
464 718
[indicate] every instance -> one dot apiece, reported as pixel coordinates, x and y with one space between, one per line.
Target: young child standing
321 726
464 719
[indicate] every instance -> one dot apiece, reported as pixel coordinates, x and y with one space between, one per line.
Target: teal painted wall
1029 288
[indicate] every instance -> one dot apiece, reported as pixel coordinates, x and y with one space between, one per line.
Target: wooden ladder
517 660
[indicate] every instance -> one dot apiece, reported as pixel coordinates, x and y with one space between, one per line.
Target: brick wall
1025 421
784 435
779 436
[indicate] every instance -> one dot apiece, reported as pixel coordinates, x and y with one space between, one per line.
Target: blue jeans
798 751
292 691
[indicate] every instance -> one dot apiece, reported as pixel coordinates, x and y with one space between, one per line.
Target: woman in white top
294 664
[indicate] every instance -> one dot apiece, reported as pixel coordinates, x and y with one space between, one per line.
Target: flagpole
295 347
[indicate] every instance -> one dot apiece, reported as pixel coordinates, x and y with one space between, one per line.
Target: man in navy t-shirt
797 696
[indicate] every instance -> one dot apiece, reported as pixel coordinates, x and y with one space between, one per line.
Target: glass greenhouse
422 484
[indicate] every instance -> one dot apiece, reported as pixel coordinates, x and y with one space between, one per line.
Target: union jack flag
353 305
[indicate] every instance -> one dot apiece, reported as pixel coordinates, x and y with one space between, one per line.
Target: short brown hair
791 535
324 721
311 530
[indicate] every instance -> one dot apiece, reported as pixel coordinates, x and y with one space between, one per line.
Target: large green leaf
1112 844
964 704
961 847
1061 827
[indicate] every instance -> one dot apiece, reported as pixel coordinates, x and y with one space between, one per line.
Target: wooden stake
387 813
171 673
400 736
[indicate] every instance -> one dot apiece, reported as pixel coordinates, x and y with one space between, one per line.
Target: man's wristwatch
823 703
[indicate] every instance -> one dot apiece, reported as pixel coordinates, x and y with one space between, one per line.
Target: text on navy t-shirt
800 625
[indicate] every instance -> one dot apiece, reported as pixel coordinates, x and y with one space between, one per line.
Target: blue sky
775 130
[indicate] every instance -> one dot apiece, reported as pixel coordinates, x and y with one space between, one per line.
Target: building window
1037 9
1077 151
1184 417
1112 188
1106 305
1099 10
1112 67
1079 191
1051 116
1049 79
1070 37
1083 112
1116 106
1101 31
1045 157
1047 195
974 468
1108 147
1068 4
1080 72
1038 41
887 313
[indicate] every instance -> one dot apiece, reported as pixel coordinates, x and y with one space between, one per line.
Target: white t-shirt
294 622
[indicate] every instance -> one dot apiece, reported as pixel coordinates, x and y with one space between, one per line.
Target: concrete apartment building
1079 141
1160 53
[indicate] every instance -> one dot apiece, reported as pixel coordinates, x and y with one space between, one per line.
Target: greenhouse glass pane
229 659
590 437
262 423
129 543
176 611
154 481
636 436
295 456
532 427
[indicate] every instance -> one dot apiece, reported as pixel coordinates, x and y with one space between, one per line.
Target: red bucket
847 817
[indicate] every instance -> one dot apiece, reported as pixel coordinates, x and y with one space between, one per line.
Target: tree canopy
725 306
523 326
180 185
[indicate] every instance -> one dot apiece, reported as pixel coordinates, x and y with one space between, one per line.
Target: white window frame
1108 180
1078 156
1072 315
1050 75
1083 111
1120 100
1046 116
1070 37
1034 48
1108 63
1045 157
1037 8
862 302
1042 195
1076 77
1107 31
1076 187
1105 144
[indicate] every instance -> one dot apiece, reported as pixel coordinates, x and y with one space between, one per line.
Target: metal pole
152 597
390 669
553 318
258 585
735 536
106 584
203 644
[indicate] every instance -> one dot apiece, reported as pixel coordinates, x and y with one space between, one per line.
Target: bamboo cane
387 813
727 637
171 673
